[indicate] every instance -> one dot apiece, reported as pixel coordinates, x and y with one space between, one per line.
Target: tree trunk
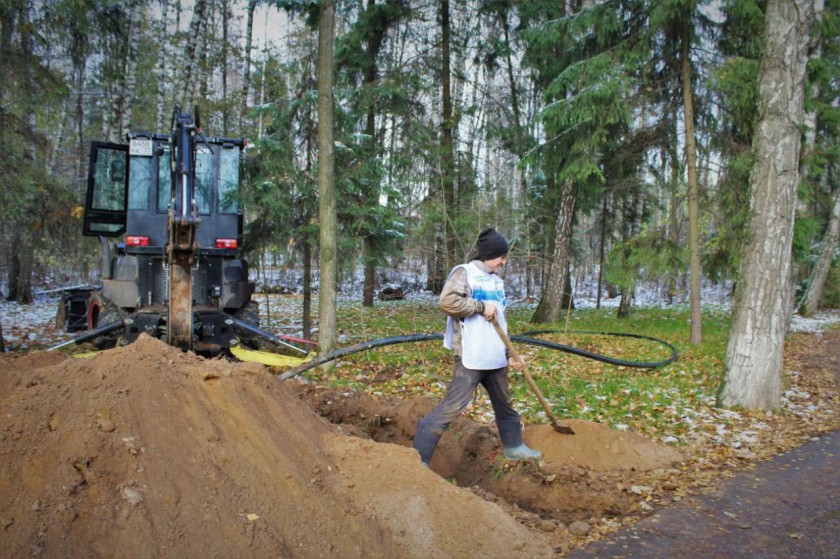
307 287
369 259
56 147
21 249
626 302
435 265
163 58
693 202
327 217
550 307
816 285
308 236
374 42
79 72
608 217
520 144
602 248
246 65
106 107
224 69
202 70
673 213
135 17
21 258
447 156
628 293
763 300
192 54
568 302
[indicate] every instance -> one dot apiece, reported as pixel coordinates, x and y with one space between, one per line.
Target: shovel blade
563 429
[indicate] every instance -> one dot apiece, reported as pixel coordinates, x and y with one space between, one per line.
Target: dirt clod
579 528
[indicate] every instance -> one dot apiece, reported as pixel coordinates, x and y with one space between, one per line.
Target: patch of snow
729 414
819 322
796 393
14 314
32 325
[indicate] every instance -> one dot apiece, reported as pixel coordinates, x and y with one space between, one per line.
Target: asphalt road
787 508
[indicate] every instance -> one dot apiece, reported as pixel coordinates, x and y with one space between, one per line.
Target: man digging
473 296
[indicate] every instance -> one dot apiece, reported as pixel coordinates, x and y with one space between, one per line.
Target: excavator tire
101 311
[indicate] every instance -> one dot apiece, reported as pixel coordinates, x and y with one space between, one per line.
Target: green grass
656 402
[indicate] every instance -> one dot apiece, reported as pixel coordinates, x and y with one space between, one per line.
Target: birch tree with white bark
764 296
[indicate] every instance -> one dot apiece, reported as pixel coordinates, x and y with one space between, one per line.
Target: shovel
564 429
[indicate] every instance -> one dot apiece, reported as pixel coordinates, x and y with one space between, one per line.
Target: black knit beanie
491 245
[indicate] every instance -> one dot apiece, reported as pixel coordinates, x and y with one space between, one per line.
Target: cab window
139 183
164 191
228 179
203 179
109 174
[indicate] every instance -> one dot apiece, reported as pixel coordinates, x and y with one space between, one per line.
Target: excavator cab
129 190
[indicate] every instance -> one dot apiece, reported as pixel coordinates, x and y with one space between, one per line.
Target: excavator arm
182 247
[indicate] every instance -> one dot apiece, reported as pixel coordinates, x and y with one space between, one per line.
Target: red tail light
227 243
137 241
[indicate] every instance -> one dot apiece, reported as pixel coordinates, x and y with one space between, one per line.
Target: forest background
612 141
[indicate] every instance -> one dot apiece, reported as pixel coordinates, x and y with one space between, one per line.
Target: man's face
496 264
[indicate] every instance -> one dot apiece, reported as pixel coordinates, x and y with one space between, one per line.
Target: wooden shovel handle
525 373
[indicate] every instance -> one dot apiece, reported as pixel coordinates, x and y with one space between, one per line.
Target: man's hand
489 310
516 364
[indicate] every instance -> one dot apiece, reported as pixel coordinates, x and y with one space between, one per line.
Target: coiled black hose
339 353
597 356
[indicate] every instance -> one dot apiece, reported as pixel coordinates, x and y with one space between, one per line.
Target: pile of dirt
145 451
598 447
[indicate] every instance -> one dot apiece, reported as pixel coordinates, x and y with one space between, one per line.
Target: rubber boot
522 452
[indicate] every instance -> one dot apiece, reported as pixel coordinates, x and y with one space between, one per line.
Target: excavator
165 208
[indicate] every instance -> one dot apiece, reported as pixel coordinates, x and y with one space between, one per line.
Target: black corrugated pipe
521 339
356 349
596 356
